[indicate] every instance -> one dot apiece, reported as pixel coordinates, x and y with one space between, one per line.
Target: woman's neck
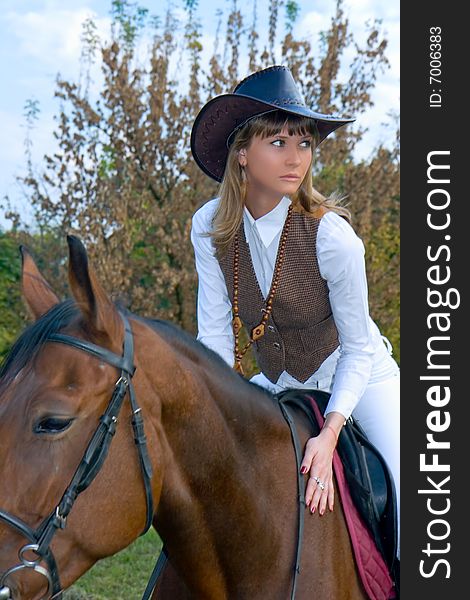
259 203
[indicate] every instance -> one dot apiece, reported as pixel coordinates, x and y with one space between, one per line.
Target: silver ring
317 479
321 484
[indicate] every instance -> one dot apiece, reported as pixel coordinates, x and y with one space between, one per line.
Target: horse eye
52 425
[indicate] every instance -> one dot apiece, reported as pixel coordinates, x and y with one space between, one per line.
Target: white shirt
361 357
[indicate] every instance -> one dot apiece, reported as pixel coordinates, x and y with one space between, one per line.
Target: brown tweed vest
300 332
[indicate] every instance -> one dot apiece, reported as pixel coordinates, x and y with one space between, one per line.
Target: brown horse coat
224 482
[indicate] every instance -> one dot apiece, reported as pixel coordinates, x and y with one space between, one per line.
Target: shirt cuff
343 402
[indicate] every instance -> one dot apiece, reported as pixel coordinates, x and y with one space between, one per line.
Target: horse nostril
5 593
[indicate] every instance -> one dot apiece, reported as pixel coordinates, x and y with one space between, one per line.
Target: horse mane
196 350
33 338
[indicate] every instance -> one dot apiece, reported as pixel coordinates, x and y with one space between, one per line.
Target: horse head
52 396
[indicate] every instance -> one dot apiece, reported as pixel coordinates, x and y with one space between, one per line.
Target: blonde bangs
272 123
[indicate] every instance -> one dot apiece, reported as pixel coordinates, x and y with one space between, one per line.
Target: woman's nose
293 157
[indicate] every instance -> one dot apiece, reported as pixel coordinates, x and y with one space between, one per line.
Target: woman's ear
242 157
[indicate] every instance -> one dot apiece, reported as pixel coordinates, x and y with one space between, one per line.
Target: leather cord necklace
258 330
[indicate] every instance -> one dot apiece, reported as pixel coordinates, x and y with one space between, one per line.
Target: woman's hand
318 463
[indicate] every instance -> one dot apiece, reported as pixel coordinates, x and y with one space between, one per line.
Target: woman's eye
52 425
303 144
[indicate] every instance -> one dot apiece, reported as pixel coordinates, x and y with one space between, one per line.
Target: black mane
33 338
27 346
174 333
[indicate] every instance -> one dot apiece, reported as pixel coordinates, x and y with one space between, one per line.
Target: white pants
378 413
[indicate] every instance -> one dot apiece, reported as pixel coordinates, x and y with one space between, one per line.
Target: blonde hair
232 190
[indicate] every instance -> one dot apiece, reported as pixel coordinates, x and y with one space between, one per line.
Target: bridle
95 454
38 549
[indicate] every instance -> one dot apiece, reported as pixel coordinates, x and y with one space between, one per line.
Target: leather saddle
369 479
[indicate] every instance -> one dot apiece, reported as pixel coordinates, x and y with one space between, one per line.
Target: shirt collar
270 224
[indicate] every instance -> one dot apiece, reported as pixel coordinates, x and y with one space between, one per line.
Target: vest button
271 328
277 345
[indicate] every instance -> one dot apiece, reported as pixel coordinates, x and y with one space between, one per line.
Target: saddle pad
372 568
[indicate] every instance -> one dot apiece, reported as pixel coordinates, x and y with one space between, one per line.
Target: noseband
40 539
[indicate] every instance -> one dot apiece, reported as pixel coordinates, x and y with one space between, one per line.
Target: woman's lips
290 177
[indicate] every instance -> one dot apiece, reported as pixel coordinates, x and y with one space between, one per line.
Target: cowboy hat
262 92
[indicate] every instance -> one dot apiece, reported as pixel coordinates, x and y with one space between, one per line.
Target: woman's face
277 164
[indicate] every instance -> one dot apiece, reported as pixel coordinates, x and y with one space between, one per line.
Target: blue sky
40 38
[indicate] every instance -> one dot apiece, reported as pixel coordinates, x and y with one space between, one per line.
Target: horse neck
218 436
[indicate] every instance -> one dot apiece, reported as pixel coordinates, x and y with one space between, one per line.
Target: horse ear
100 314
37 293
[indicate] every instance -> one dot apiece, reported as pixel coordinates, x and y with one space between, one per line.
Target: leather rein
283 402
38 549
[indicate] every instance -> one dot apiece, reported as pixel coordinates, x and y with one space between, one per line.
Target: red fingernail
312 510
303 470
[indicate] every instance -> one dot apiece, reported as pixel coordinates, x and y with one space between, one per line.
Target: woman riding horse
274 254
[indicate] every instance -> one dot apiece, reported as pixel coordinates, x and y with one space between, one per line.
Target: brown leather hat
262 92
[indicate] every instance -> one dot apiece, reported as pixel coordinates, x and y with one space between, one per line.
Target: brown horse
224 481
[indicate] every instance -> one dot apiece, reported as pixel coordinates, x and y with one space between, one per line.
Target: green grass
122 576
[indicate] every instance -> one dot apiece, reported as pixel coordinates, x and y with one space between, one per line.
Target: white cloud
385 94
46 41
311 25
382 9
52 36
361 12
392 33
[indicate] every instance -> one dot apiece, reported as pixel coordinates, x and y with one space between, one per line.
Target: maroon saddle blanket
372 569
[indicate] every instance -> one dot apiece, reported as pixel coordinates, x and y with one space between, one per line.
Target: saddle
367 475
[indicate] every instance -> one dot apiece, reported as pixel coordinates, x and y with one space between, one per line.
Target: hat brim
224 114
